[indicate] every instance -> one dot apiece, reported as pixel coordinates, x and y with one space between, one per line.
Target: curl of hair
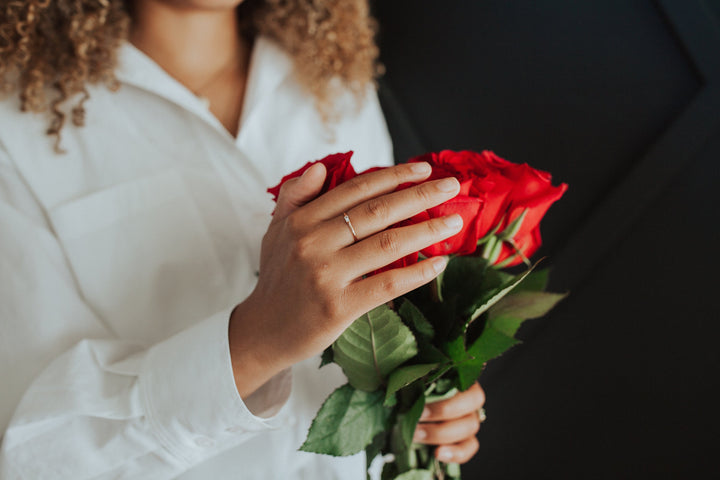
50 50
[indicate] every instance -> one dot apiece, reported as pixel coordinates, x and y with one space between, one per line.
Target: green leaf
326 357
347 422
429 353
507 325
408 421
436 378
489 345
493 296
469 285
404 376
416 475
389 471
373 346
536 281
525 305
414 317
405 458
465 280
374 449
455 348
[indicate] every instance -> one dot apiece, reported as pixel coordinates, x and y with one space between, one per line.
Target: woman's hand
311 285
452 425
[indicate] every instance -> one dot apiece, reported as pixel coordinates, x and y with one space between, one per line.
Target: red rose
338 167
533 194
493 193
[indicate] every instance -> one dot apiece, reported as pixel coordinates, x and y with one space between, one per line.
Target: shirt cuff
192 404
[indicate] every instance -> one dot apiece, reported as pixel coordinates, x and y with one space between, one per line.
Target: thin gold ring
350 226
482 416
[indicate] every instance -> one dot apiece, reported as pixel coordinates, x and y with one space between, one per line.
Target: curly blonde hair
61 46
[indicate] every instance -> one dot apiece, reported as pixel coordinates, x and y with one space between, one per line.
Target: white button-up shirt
120 262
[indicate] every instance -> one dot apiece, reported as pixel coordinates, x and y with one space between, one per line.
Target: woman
145 332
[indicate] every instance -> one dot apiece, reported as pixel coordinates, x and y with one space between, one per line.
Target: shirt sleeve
79 403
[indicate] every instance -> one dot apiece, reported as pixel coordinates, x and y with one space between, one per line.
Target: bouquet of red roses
434 341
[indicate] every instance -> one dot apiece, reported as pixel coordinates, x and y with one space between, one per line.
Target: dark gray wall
621 100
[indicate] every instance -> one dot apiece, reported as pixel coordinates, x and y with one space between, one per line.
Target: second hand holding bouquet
431 343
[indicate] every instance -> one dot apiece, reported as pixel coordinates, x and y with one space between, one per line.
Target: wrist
251 350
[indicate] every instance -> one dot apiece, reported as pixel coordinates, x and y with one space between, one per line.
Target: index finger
365 187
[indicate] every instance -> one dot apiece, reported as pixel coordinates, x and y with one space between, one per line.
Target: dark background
621 100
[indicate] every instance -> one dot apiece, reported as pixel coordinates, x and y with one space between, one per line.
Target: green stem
435 291
430 389
519 252
438 469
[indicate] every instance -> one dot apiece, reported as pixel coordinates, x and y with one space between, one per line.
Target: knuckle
326 299
294 224
359 186
317 280
400 173
330 309
390 285
377 209
389 242
424 193
302 248
435 227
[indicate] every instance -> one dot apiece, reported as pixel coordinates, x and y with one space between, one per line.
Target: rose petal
339 170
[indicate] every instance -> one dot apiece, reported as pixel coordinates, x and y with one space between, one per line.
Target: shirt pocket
142 256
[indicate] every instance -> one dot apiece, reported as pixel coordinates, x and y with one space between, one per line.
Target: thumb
296 192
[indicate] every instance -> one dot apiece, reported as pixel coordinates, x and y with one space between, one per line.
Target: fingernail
454 222
426 411
420 167
448 185
305 173
445 455
438 264
419 434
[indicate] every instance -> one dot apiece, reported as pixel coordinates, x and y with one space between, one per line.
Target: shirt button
204 442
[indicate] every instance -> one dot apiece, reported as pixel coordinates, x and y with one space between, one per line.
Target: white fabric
120 262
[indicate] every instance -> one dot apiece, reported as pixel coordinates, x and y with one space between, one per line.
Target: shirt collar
269 66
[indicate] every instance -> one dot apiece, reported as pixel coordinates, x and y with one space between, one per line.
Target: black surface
621 100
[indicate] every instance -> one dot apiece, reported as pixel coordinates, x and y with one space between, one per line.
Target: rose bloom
493 193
